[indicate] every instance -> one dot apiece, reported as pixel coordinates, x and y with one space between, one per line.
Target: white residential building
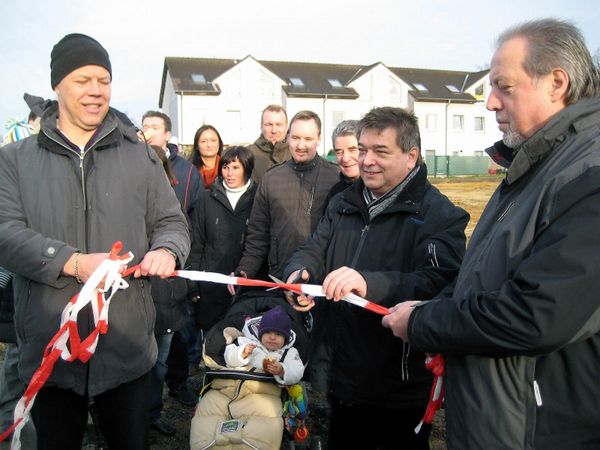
230 95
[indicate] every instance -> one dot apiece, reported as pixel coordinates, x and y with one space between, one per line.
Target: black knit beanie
75 51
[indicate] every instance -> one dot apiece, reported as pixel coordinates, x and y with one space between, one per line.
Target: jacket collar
267 146
409 199
115 125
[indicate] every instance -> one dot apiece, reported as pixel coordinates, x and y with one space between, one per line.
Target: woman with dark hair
206 153
219 224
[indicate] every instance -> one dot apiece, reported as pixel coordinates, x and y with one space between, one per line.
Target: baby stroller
242 408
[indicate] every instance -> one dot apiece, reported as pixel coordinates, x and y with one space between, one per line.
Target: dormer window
198 78
297 82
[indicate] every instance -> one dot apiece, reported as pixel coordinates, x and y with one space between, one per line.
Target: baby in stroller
243 408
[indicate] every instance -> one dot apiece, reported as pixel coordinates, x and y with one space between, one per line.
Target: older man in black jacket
389 237
521 329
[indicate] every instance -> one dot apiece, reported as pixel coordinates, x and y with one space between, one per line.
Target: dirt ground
470 193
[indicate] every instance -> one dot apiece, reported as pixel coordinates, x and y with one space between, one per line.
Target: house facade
231 94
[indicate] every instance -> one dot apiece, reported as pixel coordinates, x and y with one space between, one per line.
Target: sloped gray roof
436 82
315 78
182 69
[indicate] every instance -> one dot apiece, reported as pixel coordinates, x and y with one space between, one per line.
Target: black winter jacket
188 183
289 203
170 295
411 250
218 235
521 332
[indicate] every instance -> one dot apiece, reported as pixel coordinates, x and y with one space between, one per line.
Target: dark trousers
177 362
375 428
61 415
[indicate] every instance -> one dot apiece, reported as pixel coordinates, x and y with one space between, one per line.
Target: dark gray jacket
287 207
54 202
521 331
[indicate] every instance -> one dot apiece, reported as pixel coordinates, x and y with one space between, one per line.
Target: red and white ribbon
437 365
67 343
313 290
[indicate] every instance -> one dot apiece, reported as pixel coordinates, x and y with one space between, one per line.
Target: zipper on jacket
536 392
81 156
235 397
361 242
432 255
505 212
405 355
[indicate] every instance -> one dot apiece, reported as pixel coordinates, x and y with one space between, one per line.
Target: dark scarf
376 206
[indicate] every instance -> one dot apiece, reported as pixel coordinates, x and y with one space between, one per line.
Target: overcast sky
138 34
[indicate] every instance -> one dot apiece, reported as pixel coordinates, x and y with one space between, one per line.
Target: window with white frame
296 82
458 122
479 124
431 122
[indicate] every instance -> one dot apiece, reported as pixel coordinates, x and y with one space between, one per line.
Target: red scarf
209 175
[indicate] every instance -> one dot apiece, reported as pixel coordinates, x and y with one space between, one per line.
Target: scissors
316 290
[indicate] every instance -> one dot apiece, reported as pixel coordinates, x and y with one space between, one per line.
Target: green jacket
267 155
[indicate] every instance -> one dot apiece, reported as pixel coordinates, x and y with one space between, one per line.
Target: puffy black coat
218 235
411 250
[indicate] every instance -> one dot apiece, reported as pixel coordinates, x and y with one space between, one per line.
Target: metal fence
448 166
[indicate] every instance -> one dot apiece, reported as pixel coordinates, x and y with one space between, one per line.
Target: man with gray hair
345 146
521 328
